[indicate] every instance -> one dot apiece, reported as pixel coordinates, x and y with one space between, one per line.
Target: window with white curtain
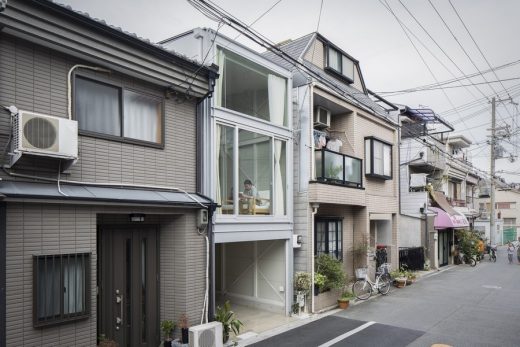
378 158
256 183
61 285
110 110
249 88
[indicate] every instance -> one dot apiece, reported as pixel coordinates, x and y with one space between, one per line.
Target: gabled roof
297 49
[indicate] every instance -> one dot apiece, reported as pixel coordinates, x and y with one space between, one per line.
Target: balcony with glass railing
336 168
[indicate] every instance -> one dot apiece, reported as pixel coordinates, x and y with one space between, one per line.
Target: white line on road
347 334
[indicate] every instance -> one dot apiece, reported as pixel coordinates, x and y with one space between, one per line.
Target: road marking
347 334
491 287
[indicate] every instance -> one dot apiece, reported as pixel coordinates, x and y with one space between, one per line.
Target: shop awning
69 192
444 220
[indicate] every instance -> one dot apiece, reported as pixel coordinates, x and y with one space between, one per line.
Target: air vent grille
41 133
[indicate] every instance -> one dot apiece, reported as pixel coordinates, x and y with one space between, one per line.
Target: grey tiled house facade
68 221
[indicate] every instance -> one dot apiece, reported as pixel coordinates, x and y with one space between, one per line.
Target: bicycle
364 287
493 254
466 259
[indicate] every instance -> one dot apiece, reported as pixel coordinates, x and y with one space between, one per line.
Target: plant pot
167 343
409 281
400 282
343 304
184 335
316 290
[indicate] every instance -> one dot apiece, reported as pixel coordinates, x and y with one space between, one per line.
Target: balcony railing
337 168
456 202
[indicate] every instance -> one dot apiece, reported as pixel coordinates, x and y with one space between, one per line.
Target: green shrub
332 269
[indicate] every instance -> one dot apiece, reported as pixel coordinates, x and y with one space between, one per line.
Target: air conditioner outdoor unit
321 118
418 180
206 335
44 135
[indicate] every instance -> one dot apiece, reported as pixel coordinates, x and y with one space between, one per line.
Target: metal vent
207 338
40 133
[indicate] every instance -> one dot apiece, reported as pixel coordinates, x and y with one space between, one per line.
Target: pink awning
443 220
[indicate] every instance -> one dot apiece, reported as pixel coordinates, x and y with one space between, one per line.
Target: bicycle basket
385 268
361 273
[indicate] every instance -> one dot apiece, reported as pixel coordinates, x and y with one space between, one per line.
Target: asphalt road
460 306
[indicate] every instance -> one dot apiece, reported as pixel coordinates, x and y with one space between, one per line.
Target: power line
461 78
475 42
418 52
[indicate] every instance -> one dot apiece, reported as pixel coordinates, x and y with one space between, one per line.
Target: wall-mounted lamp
137 217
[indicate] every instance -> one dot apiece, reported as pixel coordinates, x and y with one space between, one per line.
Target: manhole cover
491 287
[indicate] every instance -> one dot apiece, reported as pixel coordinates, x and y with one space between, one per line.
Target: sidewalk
248 339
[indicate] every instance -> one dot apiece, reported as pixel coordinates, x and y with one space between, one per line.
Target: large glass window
255 172
378 158
250 88
61 288
225 177
329 238
260 172
105 109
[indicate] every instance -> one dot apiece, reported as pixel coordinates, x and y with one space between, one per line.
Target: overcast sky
369 32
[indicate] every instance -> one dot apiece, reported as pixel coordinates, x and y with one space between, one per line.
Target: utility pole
492 225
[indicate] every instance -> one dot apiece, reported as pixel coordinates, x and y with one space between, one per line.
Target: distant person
481 248
249 192
510 251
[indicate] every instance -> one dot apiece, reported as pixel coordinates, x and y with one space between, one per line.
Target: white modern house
247 169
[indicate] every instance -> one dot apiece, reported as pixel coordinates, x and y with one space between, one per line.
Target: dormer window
340 64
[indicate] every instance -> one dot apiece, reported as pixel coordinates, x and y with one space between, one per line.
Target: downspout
311 133
314 207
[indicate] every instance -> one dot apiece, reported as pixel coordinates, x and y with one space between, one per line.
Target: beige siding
35 79
316 54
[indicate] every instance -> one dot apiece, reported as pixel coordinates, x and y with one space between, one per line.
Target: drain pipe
314 206
69 83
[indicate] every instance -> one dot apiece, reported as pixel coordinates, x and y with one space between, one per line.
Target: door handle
120 301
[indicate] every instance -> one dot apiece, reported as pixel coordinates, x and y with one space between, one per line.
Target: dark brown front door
127 282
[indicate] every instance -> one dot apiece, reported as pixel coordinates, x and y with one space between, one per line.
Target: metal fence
412 258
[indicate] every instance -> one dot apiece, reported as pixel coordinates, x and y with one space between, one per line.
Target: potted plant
345 298
225 316
167 327
399 278
184 325
302 286
319 283
106 342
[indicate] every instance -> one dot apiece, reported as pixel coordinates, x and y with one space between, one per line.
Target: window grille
61 288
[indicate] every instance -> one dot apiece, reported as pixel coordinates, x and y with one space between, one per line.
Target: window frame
369 162
339 73
236 169
62 318
338 253
121 89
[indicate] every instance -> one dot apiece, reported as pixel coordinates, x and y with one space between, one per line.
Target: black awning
92 193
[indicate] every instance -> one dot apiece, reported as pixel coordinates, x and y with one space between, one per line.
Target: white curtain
219 145
277 88
279 189
73 282
221 57
142 117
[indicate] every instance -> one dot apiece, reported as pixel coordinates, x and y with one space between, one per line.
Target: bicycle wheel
362 289
471 261
494 258
384 284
